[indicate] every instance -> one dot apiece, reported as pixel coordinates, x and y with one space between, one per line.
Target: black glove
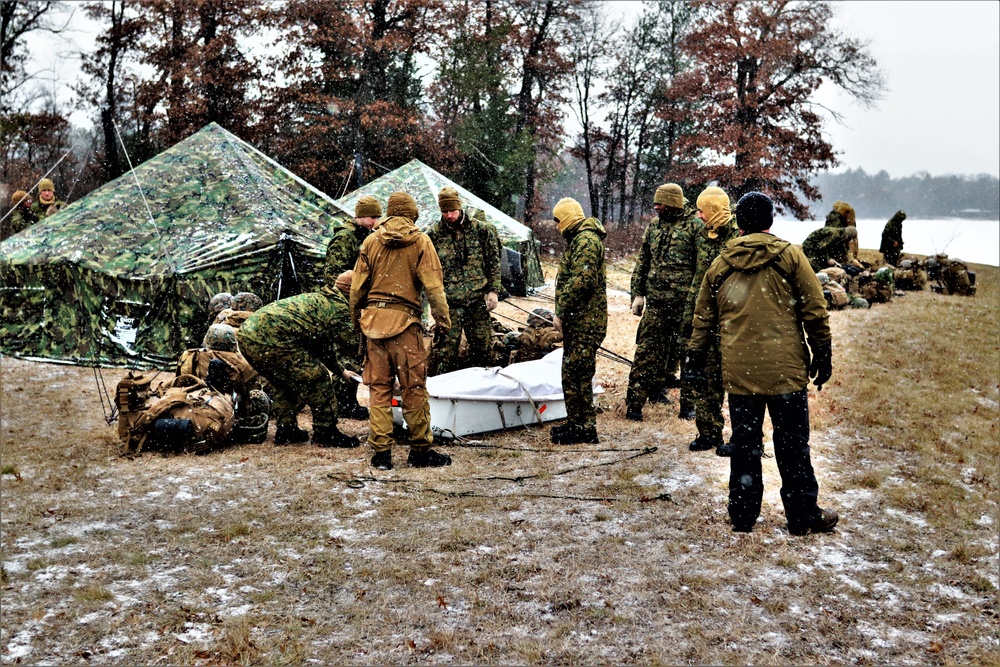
821 366
694 367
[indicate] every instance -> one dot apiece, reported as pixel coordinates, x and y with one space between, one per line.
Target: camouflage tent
122 276
522 269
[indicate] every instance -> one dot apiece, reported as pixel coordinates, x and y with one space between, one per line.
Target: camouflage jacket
317 322
706 250
42 211
581 287
824 244
470 257
343 249
666 260
19 220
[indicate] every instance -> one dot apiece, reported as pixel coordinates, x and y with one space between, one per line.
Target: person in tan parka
396 264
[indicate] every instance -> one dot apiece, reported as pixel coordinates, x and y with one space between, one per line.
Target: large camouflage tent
521 269
123 275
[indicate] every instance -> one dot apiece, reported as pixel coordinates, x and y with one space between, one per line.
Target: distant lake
975 241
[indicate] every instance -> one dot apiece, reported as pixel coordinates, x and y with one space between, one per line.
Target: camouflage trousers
707 397
578 367
294 375
657 351
474 319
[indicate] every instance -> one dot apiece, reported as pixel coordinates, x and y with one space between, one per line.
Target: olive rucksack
181 414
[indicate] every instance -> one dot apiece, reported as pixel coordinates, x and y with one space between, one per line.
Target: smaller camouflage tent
424 183
122 276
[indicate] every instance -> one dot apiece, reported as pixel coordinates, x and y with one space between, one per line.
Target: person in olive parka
765 302
581 316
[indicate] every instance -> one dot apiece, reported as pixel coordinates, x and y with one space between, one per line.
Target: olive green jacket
764 299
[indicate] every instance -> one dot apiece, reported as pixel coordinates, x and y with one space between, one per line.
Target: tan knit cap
448 200
403 205
669 194
18 197
368 207
343 282
567 213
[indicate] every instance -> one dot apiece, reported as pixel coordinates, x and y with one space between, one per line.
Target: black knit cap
754 212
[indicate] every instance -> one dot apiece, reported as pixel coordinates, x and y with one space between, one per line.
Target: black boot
725 449
660 398
574 435
557 432
687 413
382 460
287 434
333 437
427 458
824 523
700 444
633 413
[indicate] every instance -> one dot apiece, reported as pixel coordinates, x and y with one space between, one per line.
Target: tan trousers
404 357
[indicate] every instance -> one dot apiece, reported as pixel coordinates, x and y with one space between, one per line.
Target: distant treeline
920 196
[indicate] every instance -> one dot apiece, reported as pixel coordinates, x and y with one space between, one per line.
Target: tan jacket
762 298
397 261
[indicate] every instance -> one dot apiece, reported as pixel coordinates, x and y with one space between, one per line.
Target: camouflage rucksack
954 277
182 414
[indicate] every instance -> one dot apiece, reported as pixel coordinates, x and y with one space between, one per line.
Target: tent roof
424 183
207 201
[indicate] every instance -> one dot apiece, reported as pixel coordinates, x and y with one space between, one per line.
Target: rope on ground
359 482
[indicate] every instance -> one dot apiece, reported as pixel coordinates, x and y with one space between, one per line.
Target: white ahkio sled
480 400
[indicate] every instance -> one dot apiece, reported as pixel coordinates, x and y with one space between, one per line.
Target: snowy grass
299 555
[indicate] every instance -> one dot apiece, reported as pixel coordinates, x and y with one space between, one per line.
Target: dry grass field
523 552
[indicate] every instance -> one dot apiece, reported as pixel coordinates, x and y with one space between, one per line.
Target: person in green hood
765 301
581 317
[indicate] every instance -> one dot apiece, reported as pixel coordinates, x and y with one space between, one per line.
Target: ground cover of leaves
523 552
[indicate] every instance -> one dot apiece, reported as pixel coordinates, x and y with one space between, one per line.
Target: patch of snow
853 584
195 632
937 553
915 520
241 610
89 618
985 520
941 619
184 494
949 591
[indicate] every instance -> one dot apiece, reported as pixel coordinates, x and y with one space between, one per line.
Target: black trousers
790 418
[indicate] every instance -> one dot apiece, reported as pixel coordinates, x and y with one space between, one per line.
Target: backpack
181 414
836 296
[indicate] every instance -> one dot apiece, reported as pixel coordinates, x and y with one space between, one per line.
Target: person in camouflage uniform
342 250
842 216
47 204
581 316
892 238
469 249
20 217
661 280
829 246
252 404
348 344
292 343
706 394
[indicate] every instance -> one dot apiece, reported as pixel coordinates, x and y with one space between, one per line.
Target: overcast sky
941 61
